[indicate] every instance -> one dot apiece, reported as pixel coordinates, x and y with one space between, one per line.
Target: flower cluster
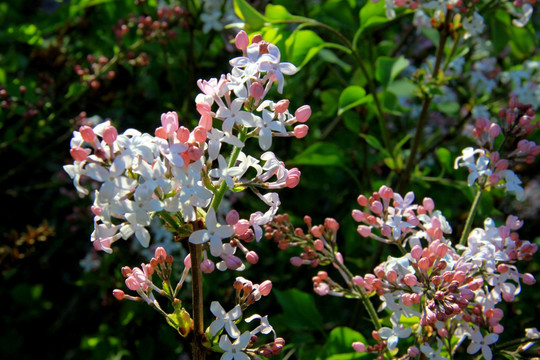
181 175
502 143
430 12
140 281
245 342
453 291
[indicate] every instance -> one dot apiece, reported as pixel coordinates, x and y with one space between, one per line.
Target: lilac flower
213 233
225 319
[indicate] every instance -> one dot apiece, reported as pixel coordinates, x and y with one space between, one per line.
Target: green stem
232 160
470 218
363 296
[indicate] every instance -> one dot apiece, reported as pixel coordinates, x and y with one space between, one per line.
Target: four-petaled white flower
479 342
213 233
225 319
233 351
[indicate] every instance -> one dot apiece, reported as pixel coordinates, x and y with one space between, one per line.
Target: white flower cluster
182 173
483 172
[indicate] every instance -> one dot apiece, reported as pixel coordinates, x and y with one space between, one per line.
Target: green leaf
351 97
279 12
252 18
75 89
375 143
352 121
372 14
339 345
299 309
302 45
388 68
401 143
321 154
445 158
330 57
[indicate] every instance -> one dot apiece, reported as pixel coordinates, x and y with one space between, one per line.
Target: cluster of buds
454 291
318 243
140 281
18 101
97 71
492 167
433 13
161 27
247 293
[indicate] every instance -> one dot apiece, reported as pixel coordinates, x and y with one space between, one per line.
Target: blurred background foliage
68 63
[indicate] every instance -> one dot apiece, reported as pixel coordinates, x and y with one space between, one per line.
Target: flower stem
232 160
363 296
470 218
418 135
199 352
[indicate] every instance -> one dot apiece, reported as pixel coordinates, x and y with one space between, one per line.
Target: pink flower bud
386 192
524 121
78 153
132 283
256 90
199 134
241 227
494 130
498 329
232 217
207 266
428 204
87 133
410 280
300 131
296 261
358 280
508 297
169 121
359 347
318 244
206 122
362 200
252 257
109 135
413 351
331 224
194 153
187 261
424 263
528 279
293 178
303 113
282 106
241 40
364 230
391 276
377 207
441 250
118 294
160 252
265 287
316 231
182 134
233 262
161 133
357 215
